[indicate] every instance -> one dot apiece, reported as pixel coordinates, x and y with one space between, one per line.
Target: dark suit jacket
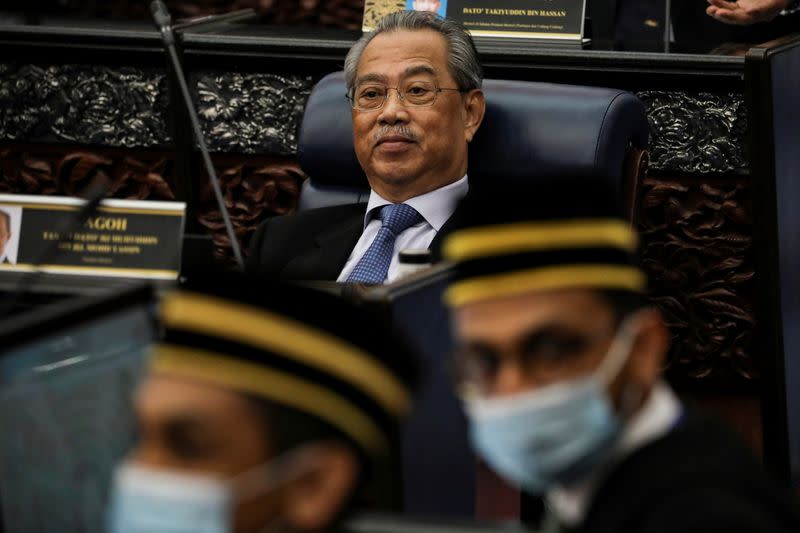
697 479
314 244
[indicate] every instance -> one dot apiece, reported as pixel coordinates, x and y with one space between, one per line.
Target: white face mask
145 500
555 434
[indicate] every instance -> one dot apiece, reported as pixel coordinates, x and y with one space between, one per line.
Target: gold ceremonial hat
558 233
304 349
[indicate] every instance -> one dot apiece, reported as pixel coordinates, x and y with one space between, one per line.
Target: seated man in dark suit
415 88
559 367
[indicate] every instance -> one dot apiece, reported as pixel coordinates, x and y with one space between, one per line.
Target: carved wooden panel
254 188
67 171
697 249
88 104
251 113
329 13
697 132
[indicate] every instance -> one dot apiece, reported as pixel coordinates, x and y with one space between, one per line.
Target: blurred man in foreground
414 85
267 409
559 366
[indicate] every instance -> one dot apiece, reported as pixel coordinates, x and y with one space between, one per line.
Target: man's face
426 5
5 234
406 151
194 428
522 343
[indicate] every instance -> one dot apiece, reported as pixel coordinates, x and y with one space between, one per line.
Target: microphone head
160 13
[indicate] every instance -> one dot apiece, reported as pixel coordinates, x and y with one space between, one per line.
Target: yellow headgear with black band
297 347
508 249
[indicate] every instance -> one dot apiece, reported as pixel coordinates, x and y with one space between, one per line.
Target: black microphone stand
163 22
667 25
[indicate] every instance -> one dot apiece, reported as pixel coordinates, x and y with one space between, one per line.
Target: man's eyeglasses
369 96
548 356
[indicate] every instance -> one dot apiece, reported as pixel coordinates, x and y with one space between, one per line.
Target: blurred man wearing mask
559 367
267 408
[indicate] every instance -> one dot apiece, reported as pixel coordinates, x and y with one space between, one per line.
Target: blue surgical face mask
155 501
145 500
553 435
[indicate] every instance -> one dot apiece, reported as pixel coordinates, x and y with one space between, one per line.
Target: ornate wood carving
251 113
91 104
330 13
58 170
696 132
254 188
636 163
697 249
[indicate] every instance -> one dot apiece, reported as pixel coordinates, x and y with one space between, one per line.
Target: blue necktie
374 264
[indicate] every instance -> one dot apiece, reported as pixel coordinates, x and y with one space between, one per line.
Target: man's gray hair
463 57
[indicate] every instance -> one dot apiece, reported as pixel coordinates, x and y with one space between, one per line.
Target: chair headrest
530 128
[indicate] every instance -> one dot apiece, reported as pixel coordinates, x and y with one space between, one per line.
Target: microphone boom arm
163 22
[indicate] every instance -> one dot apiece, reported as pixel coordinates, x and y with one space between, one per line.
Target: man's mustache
395 131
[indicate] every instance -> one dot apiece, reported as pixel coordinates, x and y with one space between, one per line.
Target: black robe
699 478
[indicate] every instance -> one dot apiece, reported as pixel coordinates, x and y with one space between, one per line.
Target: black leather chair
530 129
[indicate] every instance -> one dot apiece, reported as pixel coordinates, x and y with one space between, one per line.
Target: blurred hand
745 12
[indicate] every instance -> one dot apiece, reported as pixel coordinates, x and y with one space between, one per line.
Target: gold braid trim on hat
285 389
506 284
305 344
520 237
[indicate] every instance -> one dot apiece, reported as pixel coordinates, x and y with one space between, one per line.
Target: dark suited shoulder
453 223
299 240
697 478
711 509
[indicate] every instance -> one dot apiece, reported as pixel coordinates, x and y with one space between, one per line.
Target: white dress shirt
436 207
656 418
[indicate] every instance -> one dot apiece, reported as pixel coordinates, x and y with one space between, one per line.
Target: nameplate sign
526 19
122 238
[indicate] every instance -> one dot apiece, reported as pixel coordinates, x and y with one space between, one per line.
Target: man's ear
330 476
474 109
650 348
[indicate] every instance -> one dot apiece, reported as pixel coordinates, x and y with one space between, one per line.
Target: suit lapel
336 244
436 243
330 250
